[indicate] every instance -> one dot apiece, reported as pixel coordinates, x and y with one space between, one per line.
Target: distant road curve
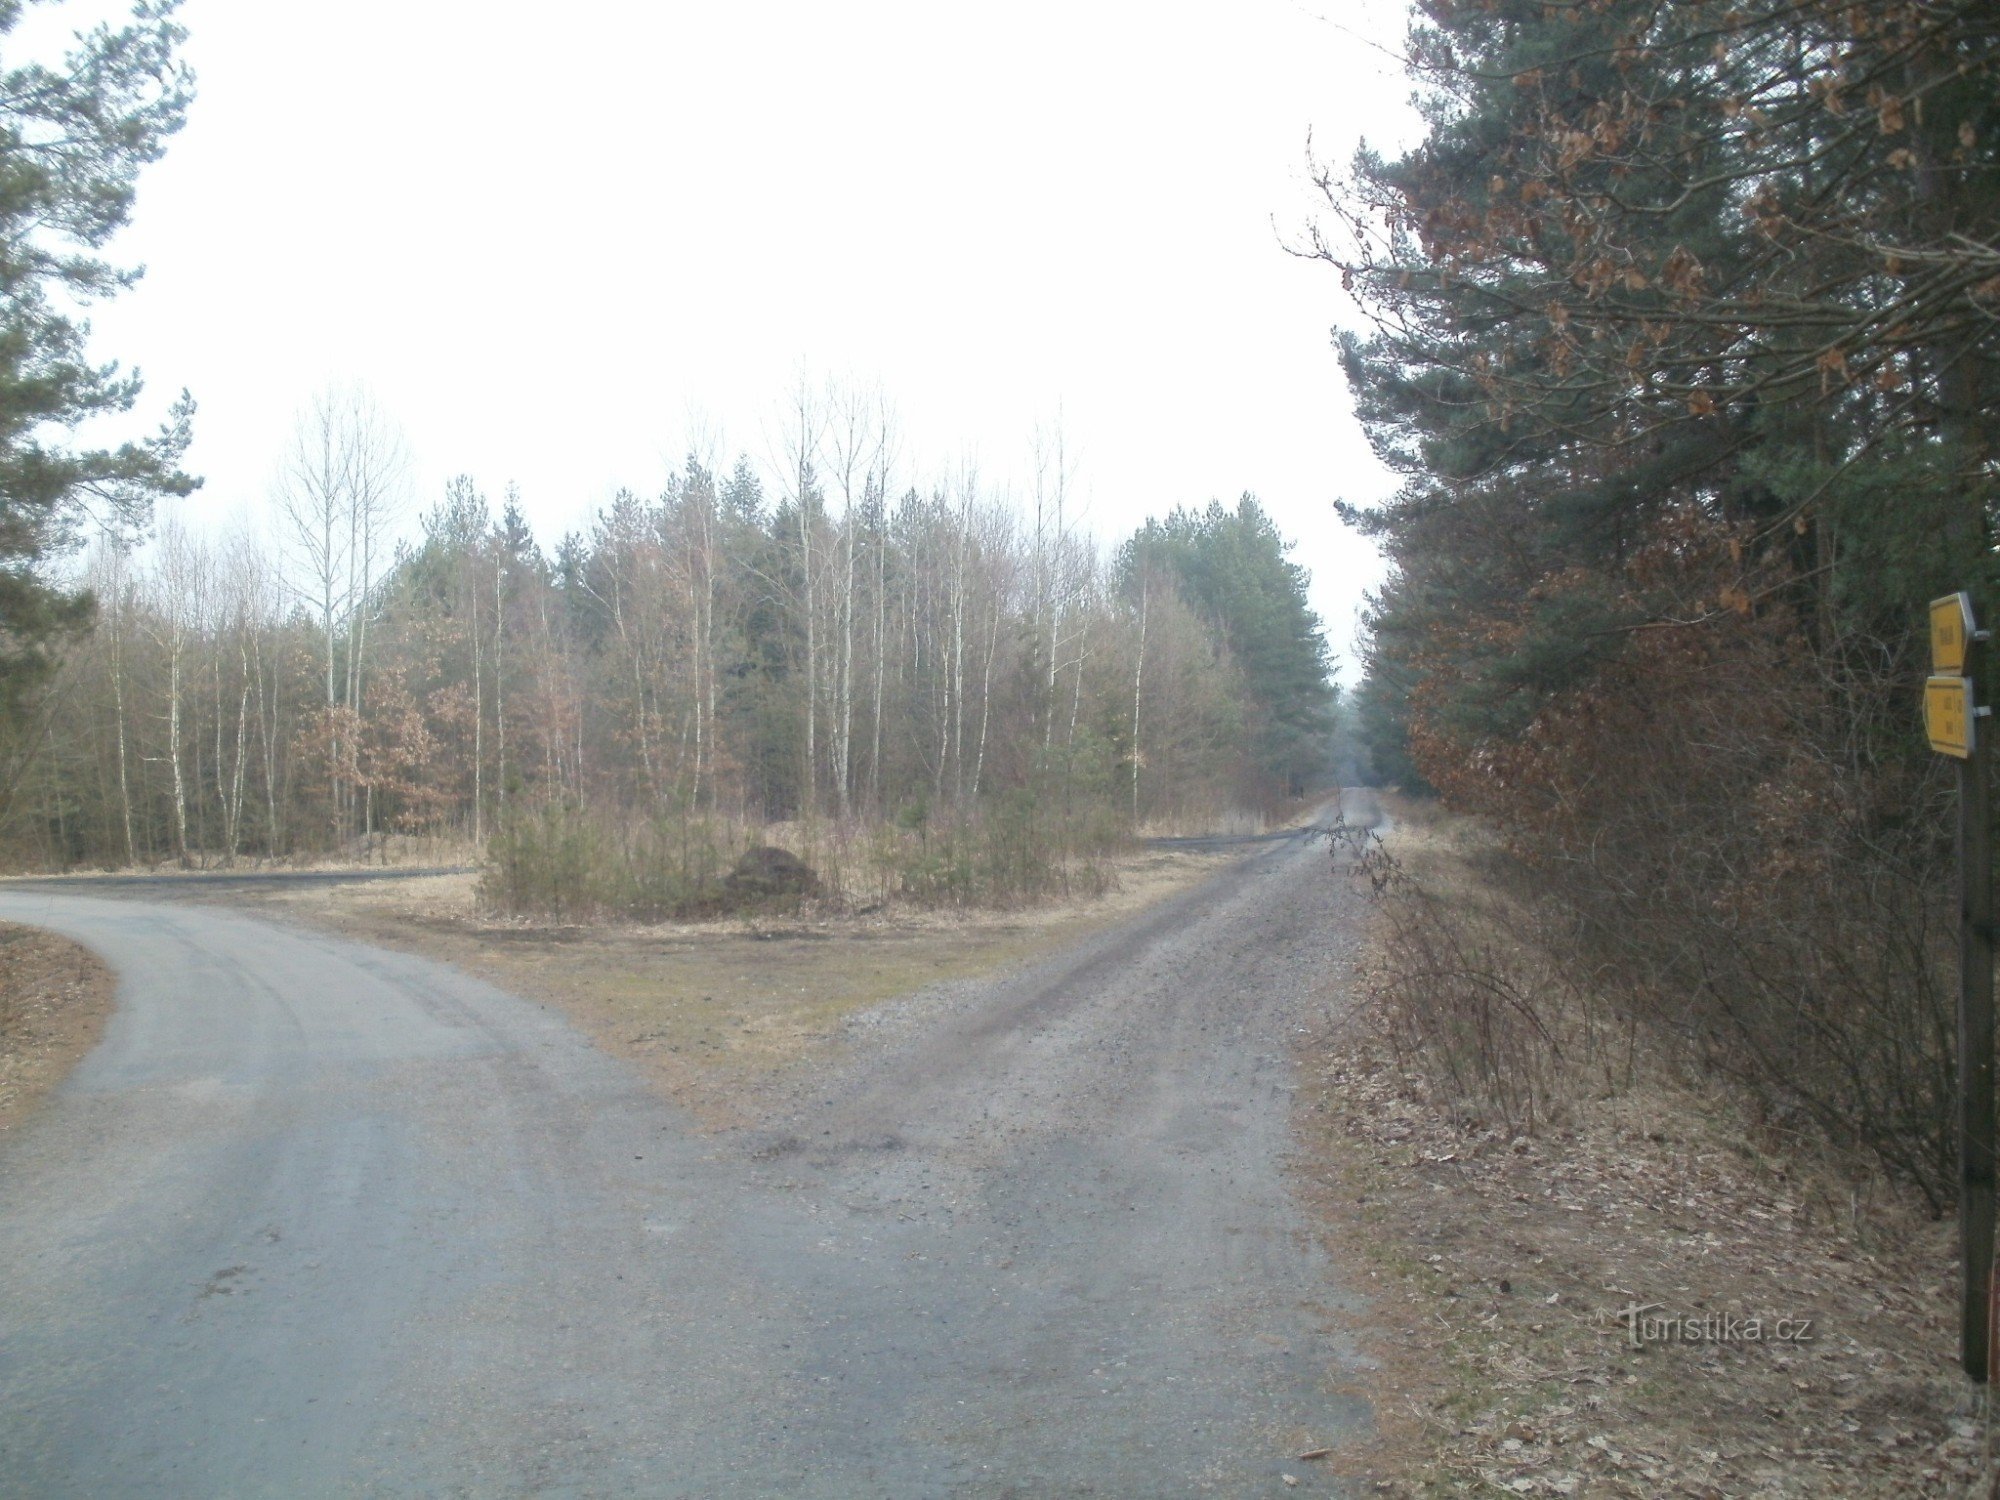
1207 843
1360 805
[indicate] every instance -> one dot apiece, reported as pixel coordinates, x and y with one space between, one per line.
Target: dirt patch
1796 1318
54 999
716 1011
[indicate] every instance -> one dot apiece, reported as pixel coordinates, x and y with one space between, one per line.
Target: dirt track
321 1219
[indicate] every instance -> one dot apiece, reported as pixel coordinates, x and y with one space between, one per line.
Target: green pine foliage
1235 569
74 137
1731 262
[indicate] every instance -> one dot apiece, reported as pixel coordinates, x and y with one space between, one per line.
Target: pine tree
1707 271
73 139
1232 564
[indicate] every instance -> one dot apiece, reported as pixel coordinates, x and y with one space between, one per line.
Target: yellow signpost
1948 716
1951 629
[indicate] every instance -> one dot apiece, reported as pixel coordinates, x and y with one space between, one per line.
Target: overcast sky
554 241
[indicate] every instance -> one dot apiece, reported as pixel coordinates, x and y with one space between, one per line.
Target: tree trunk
1138 677
174 746
499 695
118 705
233 821
881 656
478 726
986 696
844 705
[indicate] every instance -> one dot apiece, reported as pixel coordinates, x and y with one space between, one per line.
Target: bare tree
799 446
878 528
857 454
175 621
250 607
1138 678
339 484
997 551
110 581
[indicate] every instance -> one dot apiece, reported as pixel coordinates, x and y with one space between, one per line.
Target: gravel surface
321 1219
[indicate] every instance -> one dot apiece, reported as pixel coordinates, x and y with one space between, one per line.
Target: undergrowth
570 862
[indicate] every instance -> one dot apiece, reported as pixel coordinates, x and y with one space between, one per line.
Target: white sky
552 240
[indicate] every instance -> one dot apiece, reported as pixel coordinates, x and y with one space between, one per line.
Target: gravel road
319 1219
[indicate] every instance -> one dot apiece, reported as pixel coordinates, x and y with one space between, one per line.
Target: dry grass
714 1011
1233 823
54 999
1499 1262
1237 821
390 851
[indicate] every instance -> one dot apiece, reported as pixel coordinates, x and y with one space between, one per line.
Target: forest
823 648
1683 328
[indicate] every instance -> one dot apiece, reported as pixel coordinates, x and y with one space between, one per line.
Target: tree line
1685 321
820 643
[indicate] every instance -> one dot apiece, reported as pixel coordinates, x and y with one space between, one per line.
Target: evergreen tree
1686 345
1233 565
1710 276
73 138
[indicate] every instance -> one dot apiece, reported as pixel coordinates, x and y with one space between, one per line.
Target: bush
568 862
571 863
1020 847
1806 960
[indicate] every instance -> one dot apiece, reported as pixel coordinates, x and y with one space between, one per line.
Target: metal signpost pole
1975 1035
1952 723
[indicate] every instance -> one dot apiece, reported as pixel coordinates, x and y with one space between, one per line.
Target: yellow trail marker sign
1948 716
1951 628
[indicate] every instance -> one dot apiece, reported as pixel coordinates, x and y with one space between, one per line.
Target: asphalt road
316 1219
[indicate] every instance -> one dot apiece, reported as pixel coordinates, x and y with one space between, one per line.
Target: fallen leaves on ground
1505 1270
54 996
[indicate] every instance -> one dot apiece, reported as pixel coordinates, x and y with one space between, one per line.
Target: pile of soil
766 876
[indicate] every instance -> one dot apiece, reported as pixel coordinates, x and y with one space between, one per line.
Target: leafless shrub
1725 847
1464 986
574 862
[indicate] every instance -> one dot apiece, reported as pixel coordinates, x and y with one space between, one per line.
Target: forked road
319 1219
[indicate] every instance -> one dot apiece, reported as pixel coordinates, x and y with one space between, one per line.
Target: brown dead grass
1498 1265
716 1011
382 851
54 999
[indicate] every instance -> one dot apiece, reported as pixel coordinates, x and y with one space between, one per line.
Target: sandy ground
1504 1268
54 998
